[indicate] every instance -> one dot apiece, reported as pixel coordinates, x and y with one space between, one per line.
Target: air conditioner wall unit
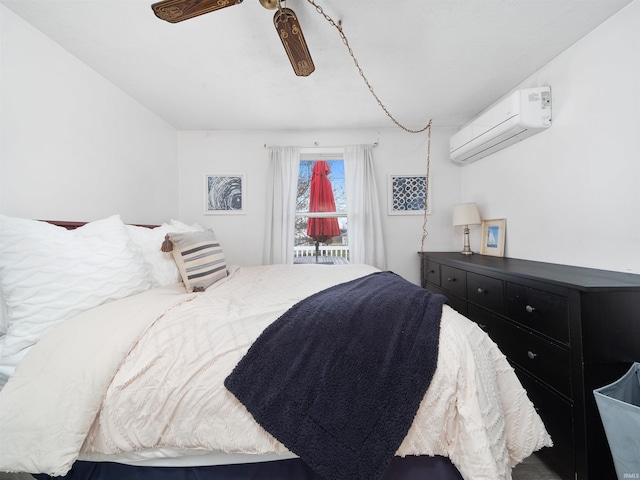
518 116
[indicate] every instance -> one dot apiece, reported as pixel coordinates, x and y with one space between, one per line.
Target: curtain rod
317 145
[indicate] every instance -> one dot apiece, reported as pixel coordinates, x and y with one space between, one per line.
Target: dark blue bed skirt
407 468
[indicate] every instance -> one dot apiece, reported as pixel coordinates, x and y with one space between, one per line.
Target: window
321 227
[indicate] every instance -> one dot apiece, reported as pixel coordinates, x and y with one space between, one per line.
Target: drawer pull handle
481 291
451 279
531 355
431 271
529 309
483 327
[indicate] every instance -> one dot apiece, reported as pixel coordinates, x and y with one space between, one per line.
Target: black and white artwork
225 194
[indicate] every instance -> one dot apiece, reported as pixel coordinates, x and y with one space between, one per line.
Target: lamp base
467 247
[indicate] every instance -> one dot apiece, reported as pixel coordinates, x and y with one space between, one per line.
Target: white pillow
49 274
148 241
3 314
181 227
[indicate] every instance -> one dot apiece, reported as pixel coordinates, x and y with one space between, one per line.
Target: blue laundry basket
619 407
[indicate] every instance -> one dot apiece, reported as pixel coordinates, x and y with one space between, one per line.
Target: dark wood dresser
566 331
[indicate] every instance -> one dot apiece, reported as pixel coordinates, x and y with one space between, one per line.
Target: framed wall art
224 194
493 236
408 195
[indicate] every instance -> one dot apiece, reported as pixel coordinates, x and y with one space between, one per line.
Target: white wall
398 152
572 193
73 146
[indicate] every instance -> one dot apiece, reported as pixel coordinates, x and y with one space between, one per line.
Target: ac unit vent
518 116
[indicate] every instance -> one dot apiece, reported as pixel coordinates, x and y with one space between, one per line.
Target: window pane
335 176
305 237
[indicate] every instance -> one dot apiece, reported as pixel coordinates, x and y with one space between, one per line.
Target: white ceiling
426 59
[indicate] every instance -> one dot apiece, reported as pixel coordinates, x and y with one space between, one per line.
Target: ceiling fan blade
293 41
175 11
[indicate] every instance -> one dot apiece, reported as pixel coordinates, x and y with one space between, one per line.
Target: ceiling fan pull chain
425 218
338 27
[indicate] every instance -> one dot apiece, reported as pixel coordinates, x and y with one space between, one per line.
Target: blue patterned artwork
407 194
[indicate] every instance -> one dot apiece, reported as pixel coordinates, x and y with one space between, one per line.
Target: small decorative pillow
199 257
49 274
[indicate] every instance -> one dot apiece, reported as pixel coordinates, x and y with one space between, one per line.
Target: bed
127 361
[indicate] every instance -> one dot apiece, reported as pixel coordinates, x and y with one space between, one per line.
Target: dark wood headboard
74 225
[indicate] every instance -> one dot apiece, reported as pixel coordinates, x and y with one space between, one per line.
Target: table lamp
465 214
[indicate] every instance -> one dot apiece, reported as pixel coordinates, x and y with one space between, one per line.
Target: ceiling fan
285 21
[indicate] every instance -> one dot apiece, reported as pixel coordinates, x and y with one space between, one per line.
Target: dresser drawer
557 416
485 291
431 272
453 280
543 359
544 312
457 303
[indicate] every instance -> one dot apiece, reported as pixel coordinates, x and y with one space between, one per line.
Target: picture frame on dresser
224 194
493 237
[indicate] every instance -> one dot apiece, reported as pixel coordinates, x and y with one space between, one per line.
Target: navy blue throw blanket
339 377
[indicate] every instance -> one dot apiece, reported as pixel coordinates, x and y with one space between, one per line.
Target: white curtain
282 183
366 243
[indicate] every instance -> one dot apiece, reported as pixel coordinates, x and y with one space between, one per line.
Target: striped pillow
199 258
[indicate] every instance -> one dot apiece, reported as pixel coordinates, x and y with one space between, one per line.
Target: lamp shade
466 214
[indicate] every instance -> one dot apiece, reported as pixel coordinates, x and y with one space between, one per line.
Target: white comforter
145 374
